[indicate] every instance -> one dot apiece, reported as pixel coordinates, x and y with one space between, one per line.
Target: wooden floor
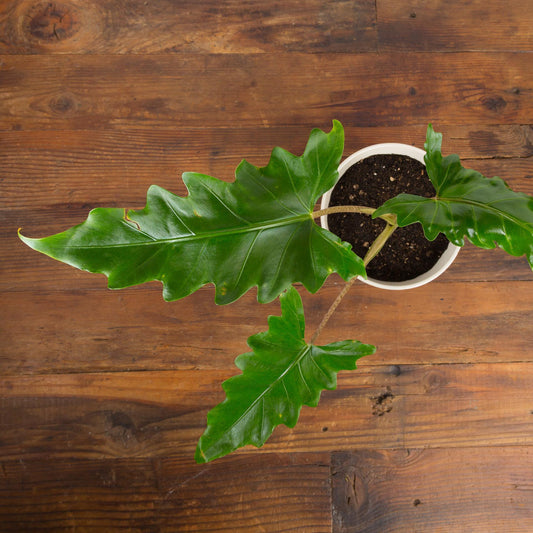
103 394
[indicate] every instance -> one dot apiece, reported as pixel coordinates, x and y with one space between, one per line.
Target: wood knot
63 104
433 381
494 103
122 420
121 428
52 22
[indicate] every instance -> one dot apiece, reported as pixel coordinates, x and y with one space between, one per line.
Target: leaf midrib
207 235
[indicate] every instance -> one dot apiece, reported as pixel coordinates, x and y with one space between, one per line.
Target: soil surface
371 182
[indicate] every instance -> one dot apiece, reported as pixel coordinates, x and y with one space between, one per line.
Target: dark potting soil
371 182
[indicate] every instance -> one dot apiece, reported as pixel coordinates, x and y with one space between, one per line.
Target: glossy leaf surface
279 376
257 230
467 204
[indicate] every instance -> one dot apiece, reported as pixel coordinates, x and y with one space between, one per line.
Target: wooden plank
270 493
161 91
465 490
134 329
149 153
474 25
192 27
147 414
115 168
232 27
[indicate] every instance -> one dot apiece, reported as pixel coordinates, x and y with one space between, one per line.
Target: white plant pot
446 258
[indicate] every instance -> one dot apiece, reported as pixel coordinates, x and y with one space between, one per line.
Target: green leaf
257 230
279 376
467 204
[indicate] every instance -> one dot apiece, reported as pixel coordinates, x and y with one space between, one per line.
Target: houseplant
370 176
261 230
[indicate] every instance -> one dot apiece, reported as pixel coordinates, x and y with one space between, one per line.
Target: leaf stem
374 250
332 308
343 209
380 241
389 218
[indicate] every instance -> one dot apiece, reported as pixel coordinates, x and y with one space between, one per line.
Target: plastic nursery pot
445 260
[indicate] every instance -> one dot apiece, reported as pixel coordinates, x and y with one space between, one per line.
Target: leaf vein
248 253
295 190
175 213
276 198
324 373
227 207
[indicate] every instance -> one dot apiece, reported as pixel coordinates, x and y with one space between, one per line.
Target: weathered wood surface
134 329
455 25
168 494
104 394
107 27
409 489
166 26
69 163
236 90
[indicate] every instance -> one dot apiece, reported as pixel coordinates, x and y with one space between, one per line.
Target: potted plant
370 176
261 231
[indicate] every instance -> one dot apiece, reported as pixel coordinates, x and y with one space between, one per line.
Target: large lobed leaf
279 376
467 204
257 230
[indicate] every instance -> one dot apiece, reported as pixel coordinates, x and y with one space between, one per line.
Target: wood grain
106 27
74 169
457 25
139 27
168 494
162 91
409 490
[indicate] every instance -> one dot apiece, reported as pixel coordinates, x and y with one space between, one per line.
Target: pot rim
445 260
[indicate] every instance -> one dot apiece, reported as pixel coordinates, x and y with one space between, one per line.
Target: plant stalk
374 250
332 308
389 218
378 244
